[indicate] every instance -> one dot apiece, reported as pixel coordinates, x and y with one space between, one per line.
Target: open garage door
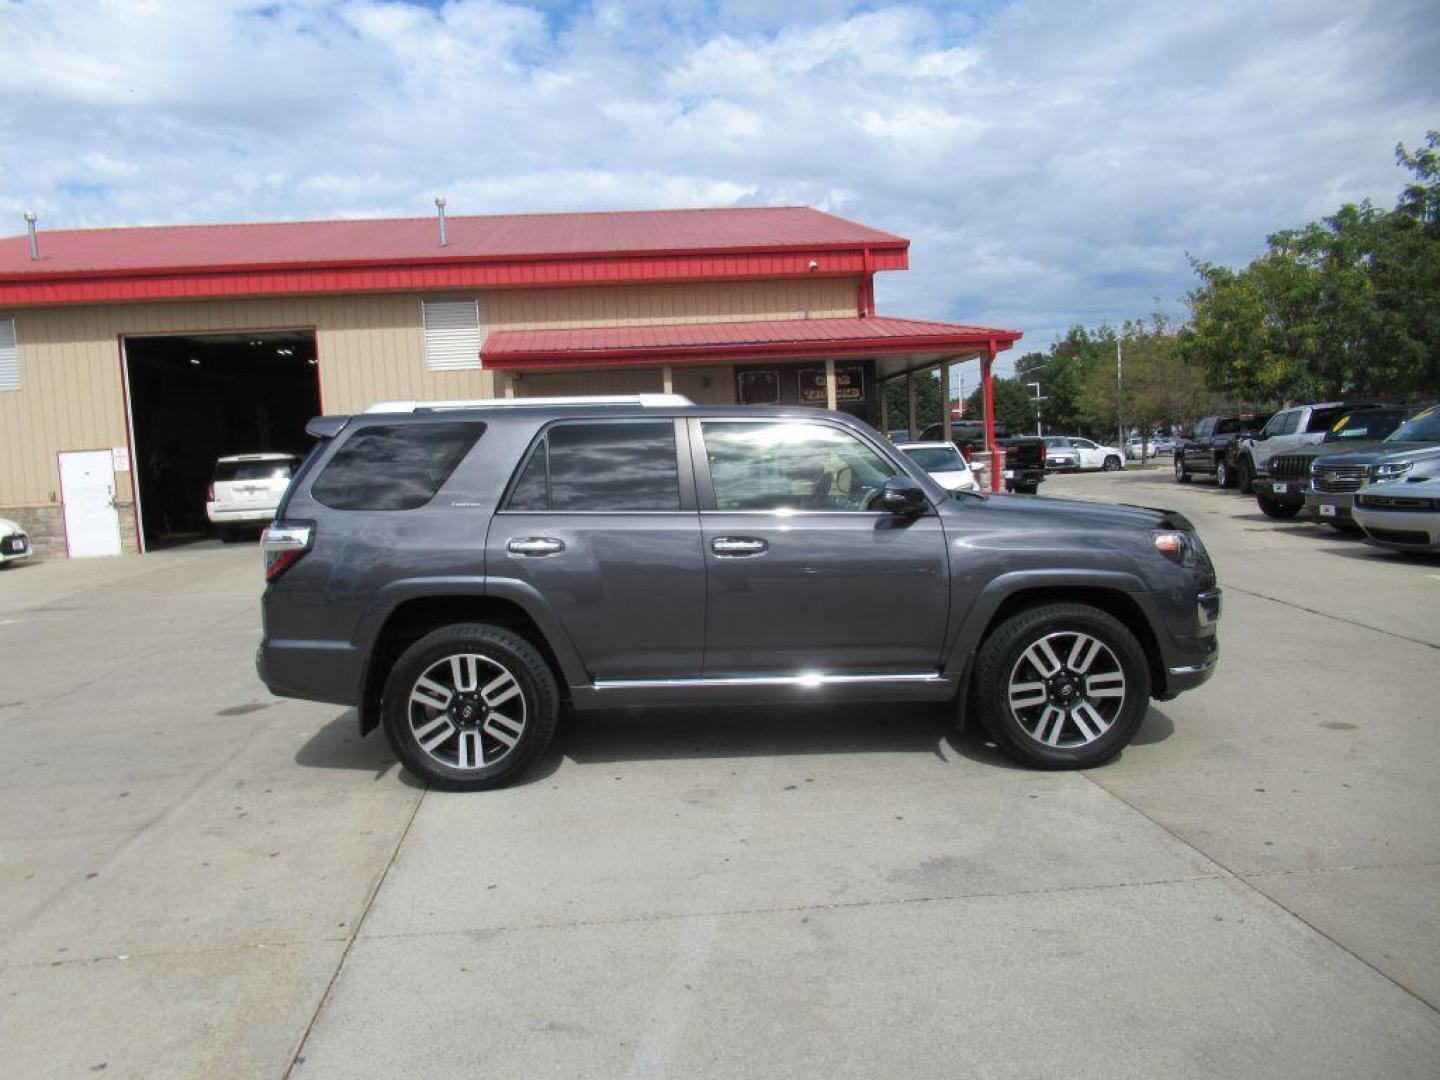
196 398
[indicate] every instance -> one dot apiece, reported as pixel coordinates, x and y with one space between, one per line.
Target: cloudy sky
1053 161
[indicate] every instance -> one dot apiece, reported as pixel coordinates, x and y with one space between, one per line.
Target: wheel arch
1115 593
416 610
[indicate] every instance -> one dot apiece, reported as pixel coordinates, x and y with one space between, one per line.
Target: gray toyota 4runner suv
459 570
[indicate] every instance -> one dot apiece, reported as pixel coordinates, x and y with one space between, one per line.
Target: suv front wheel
469 707
1064 686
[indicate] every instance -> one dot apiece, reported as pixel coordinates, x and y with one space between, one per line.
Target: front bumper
1403 530
1189 647
1285 492
1330 505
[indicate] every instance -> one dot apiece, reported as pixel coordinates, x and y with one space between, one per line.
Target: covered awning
897 345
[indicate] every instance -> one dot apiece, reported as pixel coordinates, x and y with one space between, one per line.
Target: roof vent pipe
440 206
34 242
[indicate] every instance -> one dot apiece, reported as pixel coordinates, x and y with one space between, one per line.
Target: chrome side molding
806 680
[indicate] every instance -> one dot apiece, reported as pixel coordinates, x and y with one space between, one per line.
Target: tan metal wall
710 385
370 348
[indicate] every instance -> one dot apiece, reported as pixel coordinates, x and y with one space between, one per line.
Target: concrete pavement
199 880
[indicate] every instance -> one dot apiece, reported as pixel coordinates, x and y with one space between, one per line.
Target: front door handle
738 546
535 545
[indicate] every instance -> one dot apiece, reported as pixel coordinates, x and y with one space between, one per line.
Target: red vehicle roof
623 345
408 241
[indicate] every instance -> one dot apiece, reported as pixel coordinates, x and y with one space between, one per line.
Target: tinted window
1291 422
791 465
601 467
1323 419
394 466
1205 427
274 469
1364 425
1227 425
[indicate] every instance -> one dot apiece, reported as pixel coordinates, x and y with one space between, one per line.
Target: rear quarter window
394 466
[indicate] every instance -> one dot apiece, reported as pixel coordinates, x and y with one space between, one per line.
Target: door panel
87 491
835 592
801 574
629 588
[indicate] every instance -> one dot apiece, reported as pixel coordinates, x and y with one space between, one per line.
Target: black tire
1182 474
498 649
1344 525
1245 477
1027 489
1271 507
1111 464
1224 475
229 534
1002 655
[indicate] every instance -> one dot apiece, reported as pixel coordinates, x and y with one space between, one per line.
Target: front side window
791 465
1292 422
612 467
394 466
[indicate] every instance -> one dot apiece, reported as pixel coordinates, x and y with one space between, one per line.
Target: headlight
1182 548
1391 470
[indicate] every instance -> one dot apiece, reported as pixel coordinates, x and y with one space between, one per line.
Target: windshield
937 458
1422 427
1357 426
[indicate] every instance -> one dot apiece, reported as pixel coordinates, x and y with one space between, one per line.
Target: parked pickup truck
1280 485
1288 429
1204 452
1024 463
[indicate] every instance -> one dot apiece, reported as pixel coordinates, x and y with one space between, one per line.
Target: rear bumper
15 547
245 515
331 671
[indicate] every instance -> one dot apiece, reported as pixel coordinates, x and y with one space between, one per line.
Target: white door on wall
87 490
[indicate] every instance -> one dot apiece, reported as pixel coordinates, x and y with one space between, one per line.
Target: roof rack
647 401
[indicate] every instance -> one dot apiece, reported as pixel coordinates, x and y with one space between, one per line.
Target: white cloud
1053 161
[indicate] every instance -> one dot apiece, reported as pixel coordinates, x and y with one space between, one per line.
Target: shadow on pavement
339 745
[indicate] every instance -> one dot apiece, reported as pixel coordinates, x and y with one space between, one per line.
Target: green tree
928 408
1014 405
1346 305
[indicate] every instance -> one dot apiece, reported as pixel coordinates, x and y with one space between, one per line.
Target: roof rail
648 401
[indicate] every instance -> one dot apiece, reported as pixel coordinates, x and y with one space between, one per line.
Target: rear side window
613 467
275 469
1323 419
394 466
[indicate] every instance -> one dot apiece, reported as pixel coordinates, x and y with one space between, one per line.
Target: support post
510 384
945 400
910 395
667 378
832 394
987 363
884 409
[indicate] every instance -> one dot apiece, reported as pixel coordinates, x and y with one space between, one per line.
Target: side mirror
904 497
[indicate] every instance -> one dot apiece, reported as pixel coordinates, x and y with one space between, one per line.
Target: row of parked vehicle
1368 467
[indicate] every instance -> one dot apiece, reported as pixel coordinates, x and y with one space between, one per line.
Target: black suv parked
457 571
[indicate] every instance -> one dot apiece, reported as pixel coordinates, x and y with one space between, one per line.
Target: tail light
210 493
284 544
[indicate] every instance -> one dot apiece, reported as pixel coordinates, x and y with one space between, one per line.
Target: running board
806 681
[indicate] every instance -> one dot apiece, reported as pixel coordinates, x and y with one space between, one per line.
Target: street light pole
1038 400
1119 390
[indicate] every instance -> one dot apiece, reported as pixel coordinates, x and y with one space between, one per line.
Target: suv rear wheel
469 707
1064 686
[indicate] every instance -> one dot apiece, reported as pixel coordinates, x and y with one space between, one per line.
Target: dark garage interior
195 398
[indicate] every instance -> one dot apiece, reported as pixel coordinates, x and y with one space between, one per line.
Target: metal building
131 358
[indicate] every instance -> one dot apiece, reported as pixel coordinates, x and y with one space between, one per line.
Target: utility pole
1038 400
1119 390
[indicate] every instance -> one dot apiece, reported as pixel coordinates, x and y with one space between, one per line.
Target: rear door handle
535 545
738 546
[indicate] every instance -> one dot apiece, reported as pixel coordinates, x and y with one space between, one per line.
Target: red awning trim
692 343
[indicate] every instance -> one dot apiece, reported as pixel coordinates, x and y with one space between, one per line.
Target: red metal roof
411 241
727 341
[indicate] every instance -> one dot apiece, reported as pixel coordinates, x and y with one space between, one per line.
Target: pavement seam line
354 936
848 905
1328 615
1248 884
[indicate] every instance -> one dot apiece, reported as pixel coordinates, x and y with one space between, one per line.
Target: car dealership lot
199 880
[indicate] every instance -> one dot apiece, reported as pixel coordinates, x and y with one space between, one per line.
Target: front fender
972 625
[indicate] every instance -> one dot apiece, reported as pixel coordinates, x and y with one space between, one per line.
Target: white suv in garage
246 489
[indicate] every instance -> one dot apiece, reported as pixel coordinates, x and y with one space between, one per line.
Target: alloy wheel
467 711
1066 689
